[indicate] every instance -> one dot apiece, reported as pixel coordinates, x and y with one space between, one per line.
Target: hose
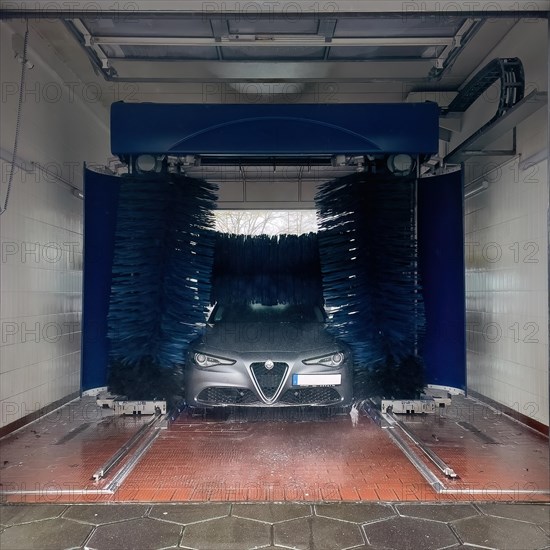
18 120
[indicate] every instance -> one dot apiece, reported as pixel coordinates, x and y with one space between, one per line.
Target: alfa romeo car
268 356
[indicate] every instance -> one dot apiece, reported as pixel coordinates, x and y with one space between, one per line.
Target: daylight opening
266 222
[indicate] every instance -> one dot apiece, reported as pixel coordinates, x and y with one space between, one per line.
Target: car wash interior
275 253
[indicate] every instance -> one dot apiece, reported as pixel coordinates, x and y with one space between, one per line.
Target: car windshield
259 313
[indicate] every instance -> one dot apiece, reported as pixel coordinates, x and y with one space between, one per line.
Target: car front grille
227 396
269 380
310 396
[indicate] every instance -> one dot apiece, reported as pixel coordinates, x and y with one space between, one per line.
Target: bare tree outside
266 222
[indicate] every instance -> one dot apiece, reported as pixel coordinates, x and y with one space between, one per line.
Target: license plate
316 379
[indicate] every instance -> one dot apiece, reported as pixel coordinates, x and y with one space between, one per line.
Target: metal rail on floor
390 424
388 420
155 424
125 449
385 422
441 464
426 473
124 472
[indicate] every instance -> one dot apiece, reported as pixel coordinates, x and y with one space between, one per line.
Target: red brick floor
235 458
196 460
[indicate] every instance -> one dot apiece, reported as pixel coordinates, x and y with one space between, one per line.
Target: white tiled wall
41 233
506 237
507 291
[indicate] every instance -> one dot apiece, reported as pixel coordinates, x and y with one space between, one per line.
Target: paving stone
438 512
271 513
319 533
534 513
409 534
144 533
545 527
96 514
358 513
38 526
45 535
492 532
228 534
189 513
14 514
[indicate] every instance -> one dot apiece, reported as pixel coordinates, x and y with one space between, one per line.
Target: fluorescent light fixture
484 185
530 161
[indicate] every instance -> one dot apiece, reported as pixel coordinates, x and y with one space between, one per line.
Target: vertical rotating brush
368 250
160 281
190 255
139 263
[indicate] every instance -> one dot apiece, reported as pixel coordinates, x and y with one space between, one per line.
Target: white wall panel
507 292
506 247
280 195
268 192
41 232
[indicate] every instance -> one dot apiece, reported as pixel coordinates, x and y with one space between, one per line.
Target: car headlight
206 360
331 360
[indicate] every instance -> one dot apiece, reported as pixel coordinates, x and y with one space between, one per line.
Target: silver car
268 356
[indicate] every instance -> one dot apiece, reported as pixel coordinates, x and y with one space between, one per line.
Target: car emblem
269 364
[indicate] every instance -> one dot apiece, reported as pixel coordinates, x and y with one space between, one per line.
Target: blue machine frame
271 130
298 131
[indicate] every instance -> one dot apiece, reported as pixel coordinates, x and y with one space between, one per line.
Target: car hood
257 337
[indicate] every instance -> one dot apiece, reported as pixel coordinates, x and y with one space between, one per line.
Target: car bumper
241 385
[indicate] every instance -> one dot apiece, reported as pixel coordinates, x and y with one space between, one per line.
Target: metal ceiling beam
243 41
456 42
326 29
275 72
219 28
260 8
88 42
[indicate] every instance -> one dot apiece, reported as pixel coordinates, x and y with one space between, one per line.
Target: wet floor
273 456
488 451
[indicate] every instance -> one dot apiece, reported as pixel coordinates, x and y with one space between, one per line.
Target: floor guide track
83 454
